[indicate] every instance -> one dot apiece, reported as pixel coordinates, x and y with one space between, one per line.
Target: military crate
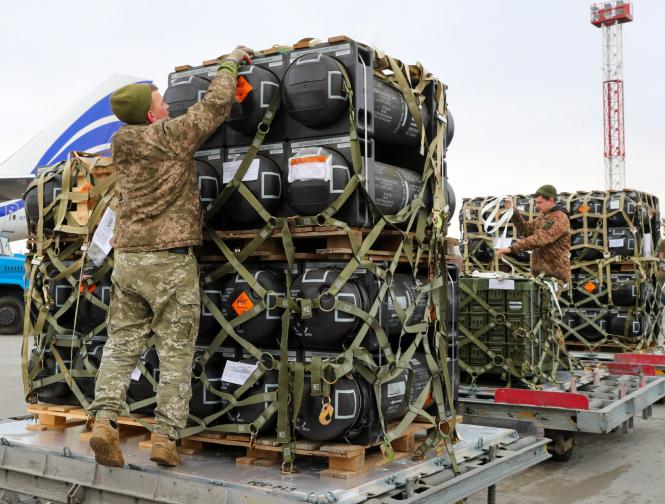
508 329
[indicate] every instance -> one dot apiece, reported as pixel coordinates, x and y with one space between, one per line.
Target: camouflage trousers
154 294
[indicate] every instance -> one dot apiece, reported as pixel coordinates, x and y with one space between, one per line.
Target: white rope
555 298
493 222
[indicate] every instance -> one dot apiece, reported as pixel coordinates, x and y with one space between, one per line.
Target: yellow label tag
325 417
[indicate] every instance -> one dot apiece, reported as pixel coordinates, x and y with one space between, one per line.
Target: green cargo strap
261 132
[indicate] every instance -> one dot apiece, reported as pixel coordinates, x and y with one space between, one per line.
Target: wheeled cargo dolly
597 402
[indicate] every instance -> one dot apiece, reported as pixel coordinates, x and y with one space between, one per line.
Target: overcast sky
524 76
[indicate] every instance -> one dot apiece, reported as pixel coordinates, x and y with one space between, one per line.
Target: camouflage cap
131 103
547 191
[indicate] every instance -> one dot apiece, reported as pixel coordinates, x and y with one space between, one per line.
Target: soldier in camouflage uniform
547 236
155 276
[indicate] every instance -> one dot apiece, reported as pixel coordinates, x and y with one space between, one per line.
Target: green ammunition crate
508 329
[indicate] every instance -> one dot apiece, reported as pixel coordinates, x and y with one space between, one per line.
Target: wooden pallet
56 416
314 243
344 460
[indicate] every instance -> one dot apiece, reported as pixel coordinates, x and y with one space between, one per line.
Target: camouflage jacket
548 237
157 186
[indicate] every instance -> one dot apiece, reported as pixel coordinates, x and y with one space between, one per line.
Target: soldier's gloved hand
240 55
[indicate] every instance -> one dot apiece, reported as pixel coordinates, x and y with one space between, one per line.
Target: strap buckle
305 308
287 468
253 432
437 221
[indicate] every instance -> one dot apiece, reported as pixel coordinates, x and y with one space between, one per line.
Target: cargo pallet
314 243
344 460
596 404
577 348
640 360
58 465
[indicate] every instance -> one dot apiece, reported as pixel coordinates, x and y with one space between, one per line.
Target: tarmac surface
615 468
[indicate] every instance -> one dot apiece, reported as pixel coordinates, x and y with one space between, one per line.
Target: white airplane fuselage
13 222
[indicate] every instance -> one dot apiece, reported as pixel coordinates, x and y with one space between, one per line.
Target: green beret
131 103
547 191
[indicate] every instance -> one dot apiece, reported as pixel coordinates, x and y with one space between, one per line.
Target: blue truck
12 287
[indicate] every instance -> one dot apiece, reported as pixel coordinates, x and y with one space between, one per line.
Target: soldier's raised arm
522 227
187 132
556 225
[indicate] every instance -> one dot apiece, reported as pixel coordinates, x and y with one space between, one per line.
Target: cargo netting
613 301
258 307
509 329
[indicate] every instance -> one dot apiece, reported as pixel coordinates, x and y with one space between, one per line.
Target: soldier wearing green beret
547 236
155 290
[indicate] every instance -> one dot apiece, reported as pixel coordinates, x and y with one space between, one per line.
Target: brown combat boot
105 442
164 451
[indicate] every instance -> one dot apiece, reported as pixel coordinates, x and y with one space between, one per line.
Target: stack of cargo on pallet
613 301
327 304
508 330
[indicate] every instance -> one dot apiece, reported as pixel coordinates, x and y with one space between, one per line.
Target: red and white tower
609 17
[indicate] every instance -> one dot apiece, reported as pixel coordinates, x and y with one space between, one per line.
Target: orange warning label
90 288
243 88
589 287
242 304
85 187
584 208
309 159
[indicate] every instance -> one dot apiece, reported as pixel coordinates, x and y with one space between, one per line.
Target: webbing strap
259 136
414 246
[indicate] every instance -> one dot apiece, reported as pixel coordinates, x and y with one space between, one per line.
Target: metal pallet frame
68 477
481 474
620 413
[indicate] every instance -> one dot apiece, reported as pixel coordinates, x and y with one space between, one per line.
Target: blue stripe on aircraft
102 135
99 136
10 208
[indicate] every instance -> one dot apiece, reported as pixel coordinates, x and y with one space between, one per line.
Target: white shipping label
647 245
614 204
230 168
501 242
136 374
102 237
616 243
501 284
310 168
238 372
396 389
